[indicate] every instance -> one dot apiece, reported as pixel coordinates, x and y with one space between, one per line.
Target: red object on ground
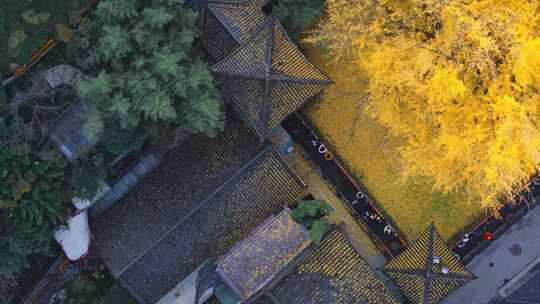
488 236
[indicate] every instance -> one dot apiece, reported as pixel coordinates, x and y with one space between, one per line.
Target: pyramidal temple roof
225 26
199 5
267 78
428 271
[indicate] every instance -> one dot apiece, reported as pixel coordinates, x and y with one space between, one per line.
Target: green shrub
25 26
22 241
310 209
88 175
312 214
118 141
30 189
97 287
318 230
84 289
117 294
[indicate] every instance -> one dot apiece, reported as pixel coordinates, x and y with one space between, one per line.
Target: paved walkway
320 190
496 264
354 195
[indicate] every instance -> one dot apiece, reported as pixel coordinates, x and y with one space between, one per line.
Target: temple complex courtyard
321 190
270 152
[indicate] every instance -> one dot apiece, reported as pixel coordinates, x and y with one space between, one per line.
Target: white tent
75 236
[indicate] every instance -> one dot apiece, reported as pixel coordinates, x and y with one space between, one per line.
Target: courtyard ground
371 154
320 190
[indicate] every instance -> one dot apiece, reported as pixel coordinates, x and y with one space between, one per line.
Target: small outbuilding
67 133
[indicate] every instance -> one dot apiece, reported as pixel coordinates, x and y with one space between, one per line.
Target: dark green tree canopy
30 194
297 15
140 54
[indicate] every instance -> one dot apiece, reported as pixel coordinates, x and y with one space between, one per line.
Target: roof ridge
292 79
226 25
268 54
288 167
421 253
260 28
234 6
197 208
327 79
276 280
233 2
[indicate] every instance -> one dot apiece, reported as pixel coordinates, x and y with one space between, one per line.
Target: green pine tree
297 15
145 73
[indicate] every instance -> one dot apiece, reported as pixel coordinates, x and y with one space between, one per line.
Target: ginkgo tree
458 80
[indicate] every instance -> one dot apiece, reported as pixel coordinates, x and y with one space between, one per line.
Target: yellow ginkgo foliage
458 80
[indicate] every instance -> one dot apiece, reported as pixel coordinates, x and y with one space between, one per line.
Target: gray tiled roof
198 5
332 273
268 77
226 26
206 196
428 271
256 261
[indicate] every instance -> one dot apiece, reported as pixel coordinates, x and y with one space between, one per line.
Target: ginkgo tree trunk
458 80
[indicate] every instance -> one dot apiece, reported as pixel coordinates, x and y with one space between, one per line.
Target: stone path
356 198
321 190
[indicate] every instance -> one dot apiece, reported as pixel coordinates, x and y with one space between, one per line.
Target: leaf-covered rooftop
428 271
205 197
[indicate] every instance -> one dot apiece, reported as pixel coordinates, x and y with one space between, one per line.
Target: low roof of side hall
267 78
332 272
206 196
254 262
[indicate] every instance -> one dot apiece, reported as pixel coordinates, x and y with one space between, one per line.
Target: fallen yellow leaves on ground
370 152
457 81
